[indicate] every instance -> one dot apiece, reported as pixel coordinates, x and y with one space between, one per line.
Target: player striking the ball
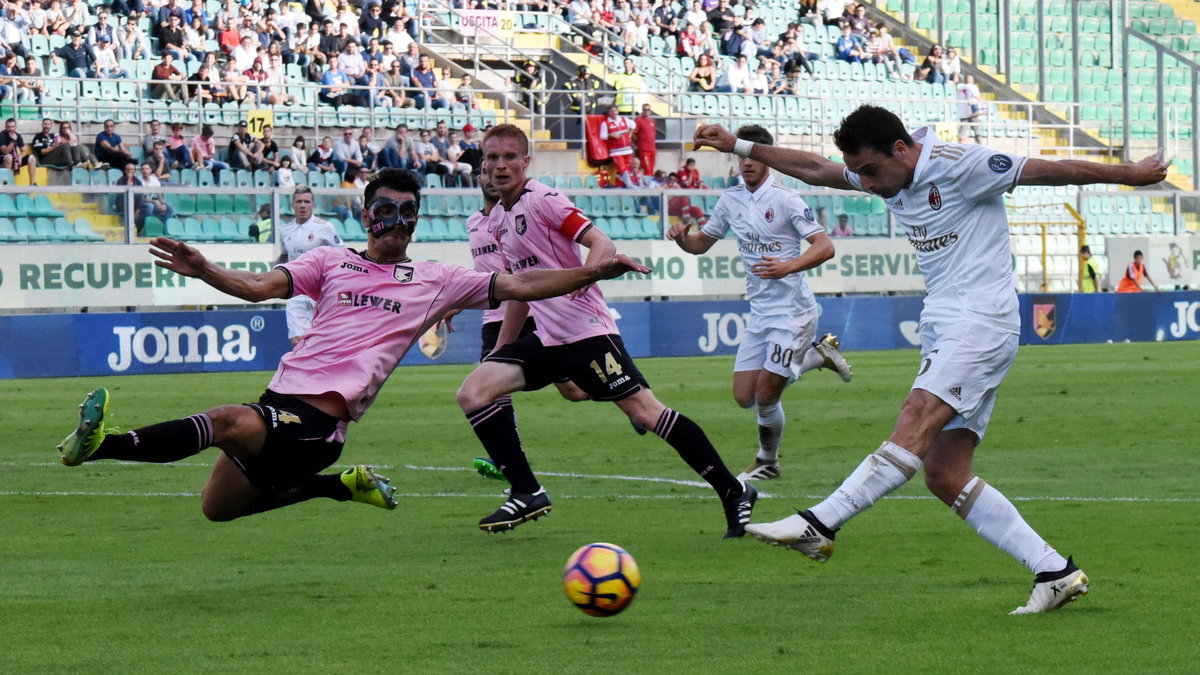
778 346
371 309
949 198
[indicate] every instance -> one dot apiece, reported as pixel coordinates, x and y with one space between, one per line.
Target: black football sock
159 443
496 426
693 446
328 485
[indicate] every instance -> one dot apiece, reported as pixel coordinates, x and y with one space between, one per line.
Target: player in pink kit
540 229
372 308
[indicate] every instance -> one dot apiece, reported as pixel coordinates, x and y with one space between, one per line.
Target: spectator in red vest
645 135
689 176
617 132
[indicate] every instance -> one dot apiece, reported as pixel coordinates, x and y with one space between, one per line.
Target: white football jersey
953 214
296 240
772 222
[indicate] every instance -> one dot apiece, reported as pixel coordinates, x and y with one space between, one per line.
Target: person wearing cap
77 59
106 64
245 151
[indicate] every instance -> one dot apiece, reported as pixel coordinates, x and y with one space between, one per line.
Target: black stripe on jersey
291 286
579 237
492 301
524 191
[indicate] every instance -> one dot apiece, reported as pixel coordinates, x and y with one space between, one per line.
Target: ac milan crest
935 198
769 215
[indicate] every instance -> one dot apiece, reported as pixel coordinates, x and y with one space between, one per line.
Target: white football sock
997 520
770 430
812 360
882 471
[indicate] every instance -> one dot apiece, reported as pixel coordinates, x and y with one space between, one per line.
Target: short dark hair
871 127
400 180
1085 249
1136 253
755 134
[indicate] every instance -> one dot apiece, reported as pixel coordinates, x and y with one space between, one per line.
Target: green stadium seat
175 229
9 234
210 229
153 227
242 205
26 227
43 207
230 231
223 202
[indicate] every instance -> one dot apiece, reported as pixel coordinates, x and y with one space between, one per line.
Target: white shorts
776 350
299 315
963 364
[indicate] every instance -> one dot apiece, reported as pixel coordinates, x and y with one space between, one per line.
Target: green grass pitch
111 567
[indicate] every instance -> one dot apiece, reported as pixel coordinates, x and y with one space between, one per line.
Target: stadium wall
61 345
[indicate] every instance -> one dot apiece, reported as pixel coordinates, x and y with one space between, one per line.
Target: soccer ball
601 579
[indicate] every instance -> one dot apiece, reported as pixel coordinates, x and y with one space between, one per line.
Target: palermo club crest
402 273
521 225
1044 322
935 198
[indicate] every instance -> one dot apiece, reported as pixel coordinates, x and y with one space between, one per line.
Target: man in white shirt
950 200
301 235
351 62
777 347
244 54
737 76
970 110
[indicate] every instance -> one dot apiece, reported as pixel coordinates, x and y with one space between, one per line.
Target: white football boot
1052 590
800 532
827 347
761 469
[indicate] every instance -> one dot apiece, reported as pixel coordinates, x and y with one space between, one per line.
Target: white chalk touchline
559 495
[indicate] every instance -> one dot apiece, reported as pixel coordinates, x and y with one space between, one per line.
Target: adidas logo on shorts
956 392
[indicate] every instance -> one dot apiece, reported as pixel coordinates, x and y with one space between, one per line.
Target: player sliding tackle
949 198
371 308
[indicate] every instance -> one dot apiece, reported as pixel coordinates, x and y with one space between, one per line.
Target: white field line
563 495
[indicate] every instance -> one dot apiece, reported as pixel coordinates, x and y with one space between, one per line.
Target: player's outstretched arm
541 284
693 242
807 166
1148 171
183 259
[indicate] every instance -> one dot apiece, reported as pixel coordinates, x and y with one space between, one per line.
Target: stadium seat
153 227
26 227
9 234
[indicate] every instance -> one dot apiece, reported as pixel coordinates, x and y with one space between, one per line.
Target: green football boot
368 487
488 469
87 437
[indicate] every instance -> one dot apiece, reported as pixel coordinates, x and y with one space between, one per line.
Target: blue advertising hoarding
60 345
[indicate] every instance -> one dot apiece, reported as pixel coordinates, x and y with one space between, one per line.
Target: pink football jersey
368 316
485 252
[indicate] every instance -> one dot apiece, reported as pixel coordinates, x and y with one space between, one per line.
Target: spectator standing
1135 273
970 109
646 139
1091 282
631 88
617 132
110 148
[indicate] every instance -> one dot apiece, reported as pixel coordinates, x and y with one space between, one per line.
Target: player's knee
943 482
468 396
217 511
744 400
229 422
